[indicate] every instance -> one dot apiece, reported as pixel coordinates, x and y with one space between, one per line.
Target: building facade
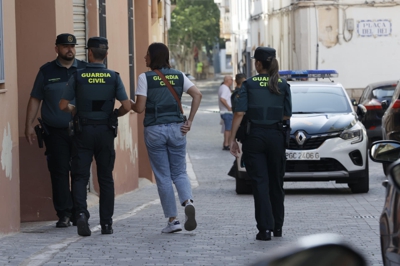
360 39
26 43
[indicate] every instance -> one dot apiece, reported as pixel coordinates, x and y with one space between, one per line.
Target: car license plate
302 155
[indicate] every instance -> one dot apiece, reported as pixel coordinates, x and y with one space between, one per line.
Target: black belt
55 128
86 121
273 126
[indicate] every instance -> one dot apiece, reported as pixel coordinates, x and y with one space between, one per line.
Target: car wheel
385 167
361 186
243 186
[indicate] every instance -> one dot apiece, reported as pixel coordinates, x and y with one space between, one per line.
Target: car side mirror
384 105
318 250
385 151
361 111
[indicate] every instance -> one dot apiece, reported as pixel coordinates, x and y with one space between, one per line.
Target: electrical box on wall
350 24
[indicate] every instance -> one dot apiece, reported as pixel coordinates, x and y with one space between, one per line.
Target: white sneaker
172 227
190 213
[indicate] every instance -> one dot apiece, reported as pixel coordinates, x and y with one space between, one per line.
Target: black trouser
265 159
97 141
58 152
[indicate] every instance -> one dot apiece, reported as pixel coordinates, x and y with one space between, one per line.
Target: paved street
226 226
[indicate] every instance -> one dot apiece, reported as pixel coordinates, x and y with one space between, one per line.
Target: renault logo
300 137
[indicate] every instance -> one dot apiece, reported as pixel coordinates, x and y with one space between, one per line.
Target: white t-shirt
225 93
142 84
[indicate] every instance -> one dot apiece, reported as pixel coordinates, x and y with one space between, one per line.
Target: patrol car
327 140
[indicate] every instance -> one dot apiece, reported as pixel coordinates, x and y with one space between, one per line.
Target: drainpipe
316 63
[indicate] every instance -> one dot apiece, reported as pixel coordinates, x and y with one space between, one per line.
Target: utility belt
86 121
277 126
75 126
284 127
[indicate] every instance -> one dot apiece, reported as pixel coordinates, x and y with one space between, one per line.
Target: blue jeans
166 146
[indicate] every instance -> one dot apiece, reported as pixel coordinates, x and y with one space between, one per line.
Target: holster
113 122
248 127
41 131
39 134
286 132
71 130
77 125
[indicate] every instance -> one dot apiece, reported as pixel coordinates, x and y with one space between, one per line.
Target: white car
327 140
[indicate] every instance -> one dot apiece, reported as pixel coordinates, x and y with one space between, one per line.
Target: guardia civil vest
264 107
161 106
95 92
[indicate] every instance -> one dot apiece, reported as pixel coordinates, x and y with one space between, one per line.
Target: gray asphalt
226 227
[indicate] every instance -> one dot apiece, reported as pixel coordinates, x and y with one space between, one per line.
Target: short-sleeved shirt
142 84
250 99
49 86
225 93
69 92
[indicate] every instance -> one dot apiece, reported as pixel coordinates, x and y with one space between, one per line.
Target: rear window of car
315 99
383 93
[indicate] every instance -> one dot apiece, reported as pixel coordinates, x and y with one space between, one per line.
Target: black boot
106 229
63 222
278 232
83 225
264 235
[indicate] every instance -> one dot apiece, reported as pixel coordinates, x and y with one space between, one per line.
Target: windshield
312 99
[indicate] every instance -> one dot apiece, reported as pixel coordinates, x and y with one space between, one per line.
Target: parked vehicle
316 250
388 151
327 140
371 98
391 120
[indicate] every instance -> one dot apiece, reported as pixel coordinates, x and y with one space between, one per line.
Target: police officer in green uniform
47 90
266 100
95 89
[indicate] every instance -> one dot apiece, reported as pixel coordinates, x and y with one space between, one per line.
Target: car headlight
356 135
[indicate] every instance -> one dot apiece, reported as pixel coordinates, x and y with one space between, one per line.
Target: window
1 44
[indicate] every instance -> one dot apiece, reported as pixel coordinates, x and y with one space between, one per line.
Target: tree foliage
193 23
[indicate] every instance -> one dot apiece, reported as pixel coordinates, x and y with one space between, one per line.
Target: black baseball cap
66 38
263 53
97 42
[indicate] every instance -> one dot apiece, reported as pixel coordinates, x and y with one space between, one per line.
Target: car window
315 99
383 93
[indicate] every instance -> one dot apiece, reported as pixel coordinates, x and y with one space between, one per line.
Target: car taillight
396 104
373 105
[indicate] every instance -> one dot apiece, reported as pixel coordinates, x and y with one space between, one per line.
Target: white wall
359 59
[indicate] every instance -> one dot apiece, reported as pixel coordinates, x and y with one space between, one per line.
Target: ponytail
272 67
